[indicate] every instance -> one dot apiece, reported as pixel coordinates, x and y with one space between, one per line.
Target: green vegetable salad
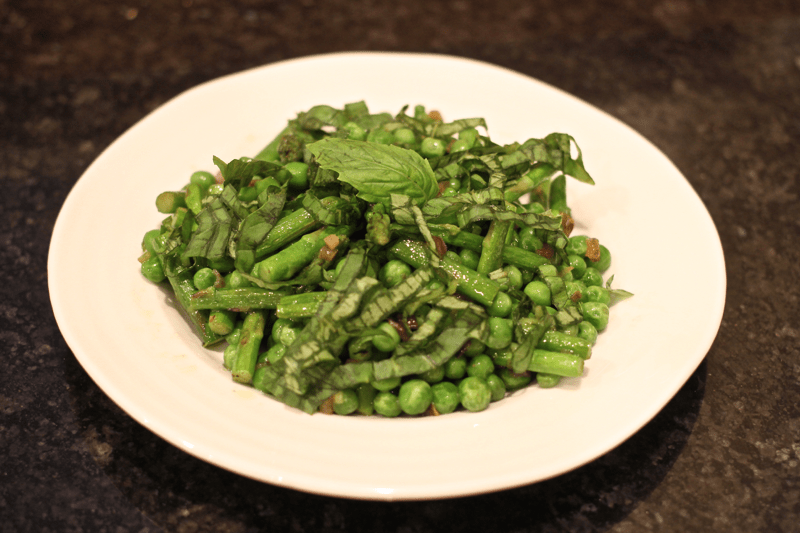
379 264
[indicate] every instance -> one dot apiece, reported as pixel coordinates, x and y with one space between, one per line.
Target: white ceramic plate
139 350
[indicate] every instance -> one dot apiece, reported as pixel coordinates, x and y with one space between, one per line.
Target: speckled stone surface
714 84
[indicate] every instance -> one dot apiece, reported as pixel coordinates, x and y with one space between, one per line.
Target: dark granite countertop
714 84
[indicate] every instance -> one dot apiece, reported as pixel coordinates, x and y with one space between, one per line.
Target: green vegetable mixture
378 264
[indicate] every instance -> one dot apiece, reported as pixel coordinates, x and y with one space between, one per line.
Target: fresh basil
240 172
377 170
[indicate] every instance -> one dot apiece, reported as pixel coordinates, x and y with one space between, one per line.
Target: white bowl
129 337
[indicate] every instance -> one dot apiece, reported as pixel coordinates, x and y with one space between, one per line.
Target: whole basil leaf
377 170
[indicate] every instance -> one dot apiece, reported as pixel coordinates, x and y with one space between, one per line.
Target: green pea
501 357
566 274
248 194
194 198
151 241
153 270
595 313
233 336
387 404
587 331
573 287
500 333
578 265
527 276
380 137
469 258
445 397
576 245
514 276
460 145
455 368
595 293
404 136
475 347
386 384
592 276
283 176
497 386
547 381
269 153
501 306
415 396
354 131
216 189
289 334
345 402
236 280
528 240
434 375
604 262
480 366
275 353
548 270
204 278
475 393
299 174
449 191
432 147
470 135
393 273
222 321
514 381
278 326
388 340
538 292
203 179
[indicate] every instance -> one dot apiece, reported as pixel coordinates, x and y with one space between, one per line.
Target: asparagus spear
493 245
560 364
513 255
302 305
286 263
469 282
183 287
242 299
244 366
297 223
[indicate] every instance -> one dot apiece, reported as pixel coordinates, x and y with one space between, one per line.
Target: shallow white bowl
133 342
